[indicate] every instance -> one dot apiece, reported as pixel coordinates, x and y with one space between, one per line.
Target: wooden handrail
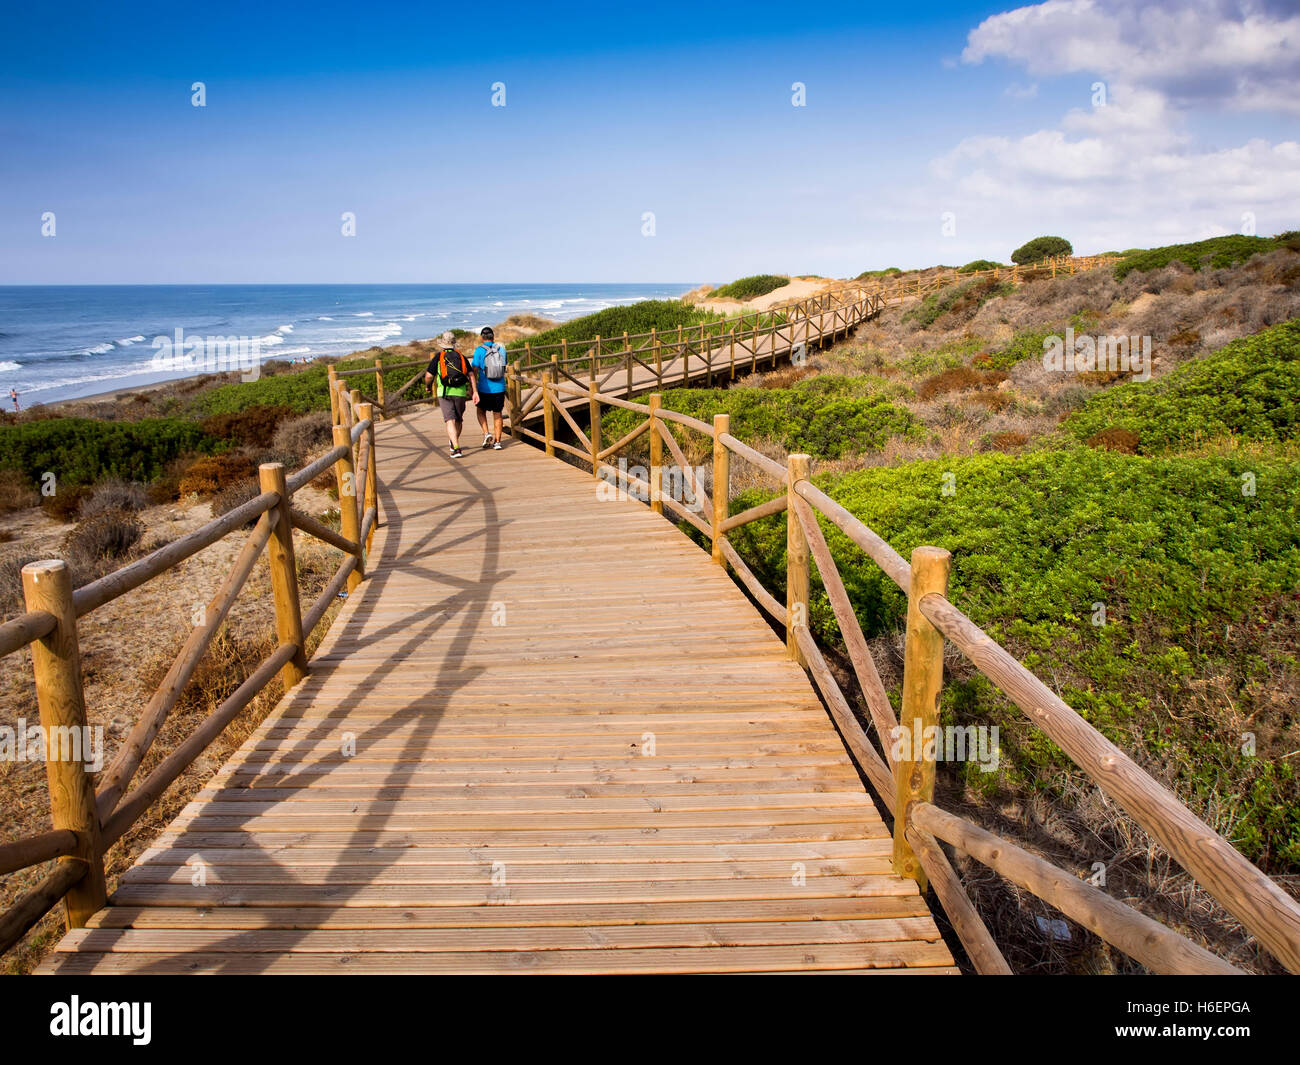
118 775
1158 948
22 630
323 532
850 297
94 595
80 844
973 933
1255 900
193 745
33 850
36 902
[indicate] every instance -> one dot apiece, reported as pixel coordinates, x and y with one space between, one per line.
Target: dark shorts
494 401
453 407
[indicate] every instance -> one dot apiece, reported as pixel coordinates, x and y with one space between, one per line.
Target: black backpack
452 376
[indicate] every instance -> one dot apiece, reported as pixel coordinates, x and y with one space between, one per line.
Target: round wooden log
1148 941
345 481
284 575
721 484
56 662
797 577
919 718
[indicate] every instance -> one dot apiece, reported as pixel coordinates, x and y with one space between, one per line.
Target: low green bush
976 265
1247 388
1217 252
1040 248
748 288
81 451
826 417
613 322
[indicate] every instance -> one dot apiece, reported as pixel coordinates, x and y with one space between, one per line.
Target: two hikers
455 380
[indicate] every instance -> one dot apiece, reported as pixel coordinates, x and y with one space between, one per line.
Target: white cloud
1131 172
1238 55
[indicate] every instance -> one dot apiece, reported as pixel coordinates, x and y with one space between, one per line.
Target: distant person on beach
490 363
13 395
451 378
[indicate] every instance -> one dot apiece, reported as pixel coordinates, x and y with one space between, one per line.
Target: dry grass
126 647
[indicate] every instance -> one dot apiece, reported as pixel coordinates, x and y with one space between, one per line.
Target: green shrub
955 298
1040 248
81 451
1027 344
826 417
1171 547
300 392
977 265
615 321
1247 388
888 271
1218 252
748 288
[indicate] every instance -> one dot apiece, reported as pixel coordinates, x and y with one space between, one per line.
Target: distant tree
978 264
1041 248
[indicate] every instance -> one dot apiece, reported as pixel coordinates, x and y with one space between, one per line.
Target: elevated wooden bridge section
520 748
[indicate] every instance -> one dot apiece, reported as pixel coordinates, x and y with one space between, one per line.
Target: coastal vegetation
1040 248
748 288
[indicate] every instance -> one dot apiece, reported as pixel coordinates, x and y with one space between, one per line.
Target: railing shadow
436 638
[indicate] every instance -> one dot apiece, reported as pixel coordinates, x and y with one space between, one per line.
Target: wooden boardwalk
547 734
715 361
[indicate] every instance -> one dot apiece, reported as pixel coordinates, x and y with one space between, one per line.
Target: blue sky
386 111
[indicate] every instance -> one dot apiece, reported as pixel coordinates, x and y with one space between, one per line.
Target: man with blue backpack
490 362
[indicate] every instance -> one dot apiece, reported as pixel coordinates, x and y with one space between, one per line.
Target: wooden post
379 381
548 406
721 483
334 395
56 660
656 455
595 358
798 468
372 475
629 376
732 349
512 395
355 396
919 719
593 428
686 359
346 480
1015 274
284 575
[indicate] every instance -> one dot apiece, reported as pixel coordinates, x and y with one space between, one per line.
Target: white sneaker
487 441
496 445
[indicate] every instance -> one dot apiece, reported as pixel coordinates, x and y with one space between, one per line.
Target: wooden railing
86 819
906 784
710 351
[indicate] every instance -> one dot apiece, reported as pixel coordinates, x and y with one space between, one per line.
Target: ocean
68 341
